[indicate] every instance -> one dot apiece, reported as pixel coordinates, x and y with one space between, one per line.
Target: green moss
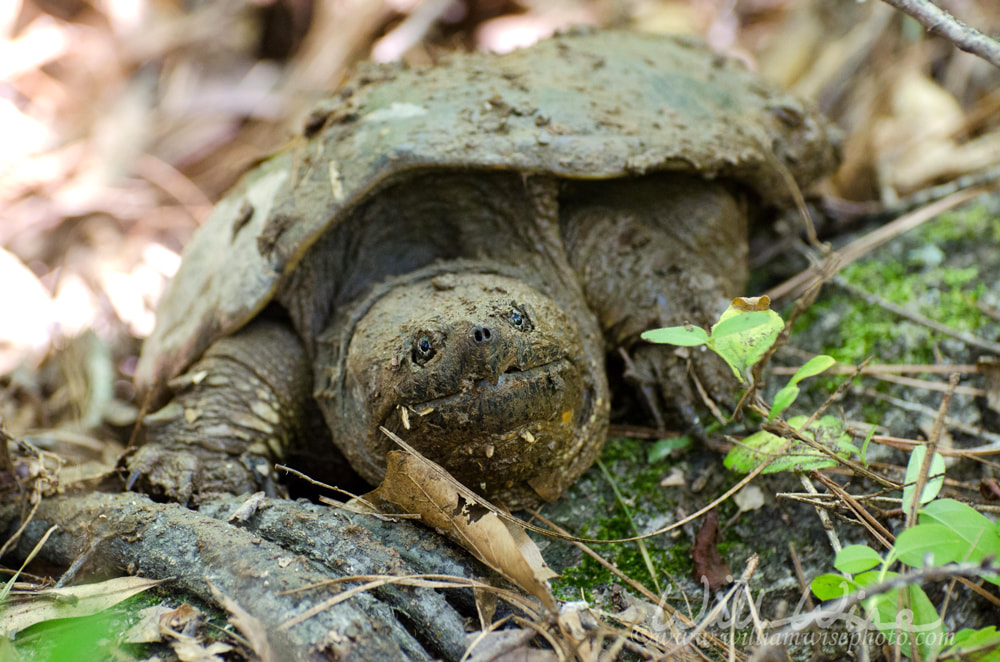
939 293
639 484
973 223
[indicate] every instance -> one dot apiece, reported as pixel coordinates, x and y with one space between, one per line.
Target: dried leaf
709 566
24 611
415 486
147 630
506 645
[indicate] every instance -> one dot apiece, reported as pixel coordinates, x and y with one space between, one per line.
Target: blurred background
122 121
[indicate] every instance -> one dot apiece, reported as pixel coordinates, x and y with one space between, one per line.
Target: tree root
263 561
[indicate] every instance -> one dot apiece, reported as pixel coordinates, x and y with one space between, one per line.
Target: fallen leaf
147 630
417 485
505 645
709 566
989 488
674 479
23 611
189 649
247 508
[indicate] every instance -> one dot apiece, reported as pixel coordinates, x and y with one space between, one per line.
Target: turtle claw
191 473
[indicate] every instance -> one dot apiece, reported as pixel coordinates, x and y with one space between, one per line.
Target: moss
647 502
912 275
974 223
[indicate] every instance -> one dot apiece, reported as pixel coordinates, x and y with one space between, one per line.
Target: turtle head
481 373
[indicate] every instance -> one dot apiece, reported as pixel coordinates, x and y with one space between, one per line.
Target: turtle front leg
233 414
658 251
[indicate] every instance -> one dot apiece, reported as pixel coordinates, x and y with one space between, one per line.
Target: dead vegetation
122 122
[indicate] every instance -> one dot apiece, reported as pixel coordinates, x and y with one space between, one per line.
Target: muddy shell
585 105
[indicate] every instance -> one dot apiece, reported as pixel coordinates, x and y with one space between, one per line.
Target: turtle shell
582 105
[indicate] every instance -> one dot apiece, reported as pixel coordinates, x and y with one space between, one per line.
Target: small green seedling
935 478
948 531
787 395
742 336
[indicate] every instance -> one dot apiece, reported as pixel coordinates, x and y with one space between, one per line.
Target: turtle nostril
481 334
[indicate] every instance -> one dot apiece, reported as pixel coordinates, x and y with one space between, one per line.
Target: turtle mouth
517 398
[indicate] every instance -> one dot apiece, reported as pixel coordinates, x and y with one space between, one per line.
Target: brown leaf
506 646
417 485
989 488
709 565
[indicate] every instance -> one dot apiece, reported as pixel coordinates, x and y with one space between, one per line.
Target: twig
782 429
938 21
915 578
835 396
925 465
875 528
628 514
883 368
502 514
929 385
716 611
951 422
864 245
824 516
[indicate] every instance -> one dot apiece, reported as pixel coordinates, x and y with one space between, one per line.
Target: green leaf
764 446
783 400
665 447
899 614
917 542
935 477
740 323
969 639
685 336
872 577
832 587
813 367
742 337
967 524
856 558
864 447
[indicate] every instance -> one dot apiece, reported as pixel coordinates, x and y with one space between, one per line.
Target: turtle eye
520 320
423 350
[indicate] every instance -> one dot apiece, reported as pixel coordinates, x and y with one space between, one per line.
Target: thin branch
938 21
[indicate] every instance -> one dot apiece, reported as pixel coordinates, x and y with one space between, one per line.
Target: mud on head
480 372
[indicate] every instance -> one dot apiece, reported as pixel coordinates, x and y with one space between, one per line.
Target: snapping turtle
451 252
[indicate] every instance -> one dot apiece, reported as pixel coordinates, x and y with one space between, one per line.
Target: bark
283 546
